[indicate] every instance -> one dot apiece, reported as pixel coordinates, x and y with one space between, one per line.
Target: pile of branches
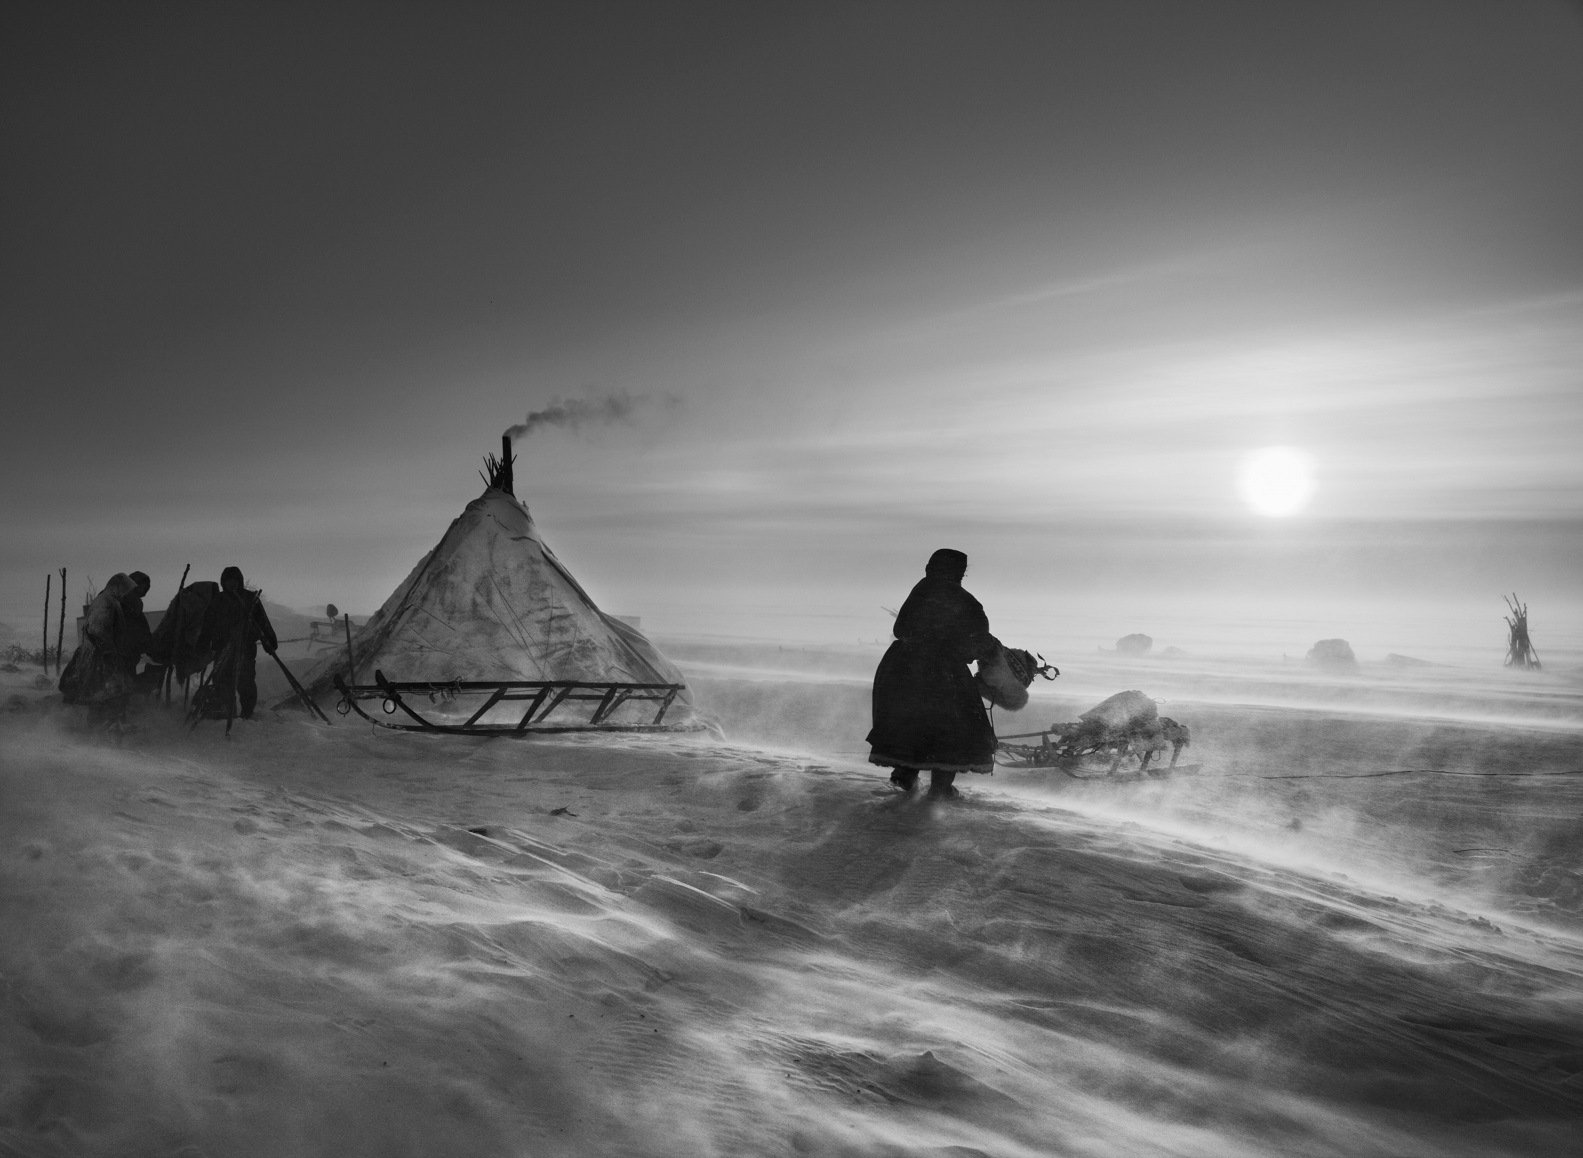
1519 648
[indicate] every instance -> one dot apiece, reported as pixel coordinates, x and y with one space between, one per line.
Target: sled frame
1067 749
542 697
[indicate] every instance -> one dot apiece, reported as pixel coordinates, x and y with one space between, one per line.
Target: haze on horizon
1031 280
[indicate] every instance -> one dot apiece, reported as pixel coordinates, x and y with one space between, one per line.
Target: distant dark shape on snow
1333 655
1519 648
1135 644
928 713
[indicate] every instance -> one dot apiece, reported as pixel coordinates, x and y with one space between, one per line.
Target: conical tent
492 602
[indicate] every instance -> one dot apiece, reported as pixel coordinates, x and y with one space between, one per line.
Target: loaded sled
1119 737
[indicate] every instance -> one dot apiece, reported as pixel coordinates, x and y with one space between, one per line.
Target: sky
862 280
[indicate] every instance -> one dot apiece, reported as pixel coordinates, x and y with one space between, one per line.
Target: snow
312 940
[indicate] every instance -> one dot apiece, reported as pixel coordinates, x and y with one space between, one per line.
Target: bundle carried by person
1005 673
180 640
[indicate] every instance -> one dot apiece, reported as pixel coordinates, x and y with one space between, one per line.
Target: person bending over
101 671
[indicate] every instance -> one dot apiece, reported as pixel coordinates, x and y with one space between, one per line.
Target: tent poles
209 673
176 634
351 662
44 653
297 687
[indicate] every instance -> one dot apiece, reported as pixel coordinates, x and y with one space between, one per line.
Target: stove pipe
507 483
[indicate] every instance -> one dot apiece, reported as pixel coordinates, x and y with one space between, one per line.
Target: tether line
1407 772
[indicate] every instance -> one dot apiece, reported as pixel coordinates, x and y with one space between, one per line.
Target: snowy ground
334 940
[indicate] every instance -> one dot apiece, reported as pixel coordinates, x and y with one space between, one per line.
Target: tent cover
492 602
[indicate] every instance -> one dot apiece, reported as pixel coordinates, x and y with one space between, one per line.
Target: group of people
928 712
216 626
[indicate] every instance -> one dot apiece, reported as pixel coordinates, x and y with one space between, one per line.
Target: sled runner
490 633
543 697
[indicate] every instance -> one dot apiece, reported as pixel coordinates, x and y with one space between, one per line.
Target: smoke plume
616 406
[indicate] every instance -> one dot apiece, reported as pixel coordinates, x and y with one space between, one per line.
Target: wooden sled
1108 758
1121 730
543 697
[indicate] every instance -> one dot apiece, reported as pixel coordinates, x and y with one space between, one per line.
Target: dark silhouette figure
928 713
235 625
102 670
136 638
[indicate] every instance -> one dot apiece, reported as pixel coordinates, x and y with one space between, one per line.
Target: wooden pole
175 632
44 655
307 700
60 632
206 678
351 663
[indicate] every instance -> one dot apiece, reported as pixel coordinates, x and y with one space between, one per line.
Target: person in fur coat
928 712
101 671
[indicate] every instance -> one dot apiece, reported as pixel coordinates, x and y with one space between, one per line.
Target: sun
1277 481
